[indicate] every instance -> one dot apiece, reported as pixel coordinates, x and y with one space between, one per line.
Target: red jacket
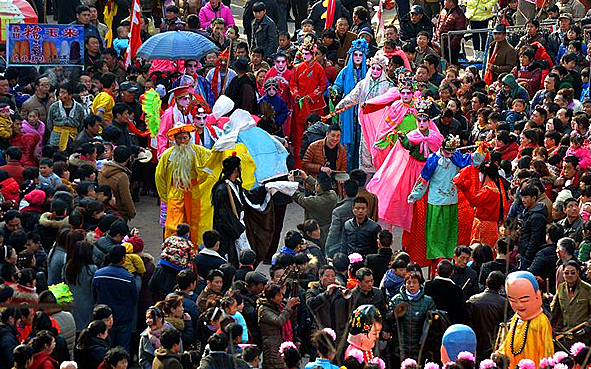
27 142
14 170
530 77
509 152
9 189
450 20
42 360
487 202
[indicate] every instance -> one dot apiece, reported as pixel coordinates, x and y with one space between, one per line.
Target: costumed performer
394 180
206 133
283 77
220 77
178 176
375 83
307 85
347 79
173 114
530 332
365 325
457 338
490 203
436 228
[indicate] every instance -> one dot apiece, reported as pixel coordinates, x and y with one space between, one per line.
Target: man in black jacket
380 262
209 258
544 263
365 293
264 30
446 294
248 15
242 89
533 230
413 23
501 263
486 310
464 276
255 283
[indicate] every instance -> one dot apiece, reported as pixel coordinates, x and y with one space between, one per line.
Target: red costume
308 80
283 81
27 142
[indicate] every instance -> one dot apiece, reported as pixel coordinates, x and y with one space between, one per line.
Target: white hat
222 106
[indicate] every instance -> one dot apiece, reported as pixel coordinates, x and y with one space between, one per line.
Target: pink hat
35 197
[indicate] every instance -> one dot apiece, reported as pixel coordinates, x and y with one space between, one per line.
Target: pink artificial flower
408 363
357 354
431 365
560 366
285 345
526 364
576 348
559 355
487 364
466 355
379 362
331 333
448 364
547 363
355 258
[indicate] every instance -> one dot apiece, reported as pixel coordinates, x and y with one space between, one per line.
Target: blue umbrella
176 45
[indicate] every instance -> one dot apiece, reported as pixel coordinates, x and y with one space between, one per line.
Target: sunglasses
570 273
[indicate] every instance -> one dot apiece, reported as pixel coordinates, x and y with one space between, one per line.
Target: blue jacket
278 105
114 286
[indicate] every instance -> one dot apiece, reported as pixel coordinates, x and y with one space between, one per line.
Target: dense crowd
476 147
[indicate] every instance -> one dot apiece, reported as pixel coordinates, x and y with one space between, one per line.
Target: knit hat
137 243
271 82
35 197
294 240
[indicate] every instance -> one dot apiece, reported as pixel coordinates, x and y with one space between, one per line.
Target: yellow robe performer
179 175
530 332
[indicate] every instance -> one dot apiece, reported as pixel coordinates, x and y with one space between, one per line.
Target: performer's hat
222 106
423 106
450 143
380 60
457 338
181 91
363 318
271 82
178 128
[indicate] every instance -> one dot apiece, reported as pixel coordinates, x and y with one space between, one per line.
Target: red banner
134 32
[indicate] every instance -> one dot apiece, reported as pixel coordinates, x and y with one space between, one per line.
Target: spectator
40 101
326 155
414 22
501 263
380 262
13 167
365 293
463 276
10 318
64 118
209 258
447 295
78 274
215 280
213 10
360 234
43 345
167 356
115 174
502 56
264 30
342 212
566 314
92 345
533 233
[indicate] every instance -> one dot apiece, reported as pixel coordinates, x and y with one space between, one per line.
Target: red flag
330 11
134 32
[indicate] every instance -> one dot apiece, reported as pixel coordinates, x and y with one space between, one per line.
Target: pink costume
583 154
27 128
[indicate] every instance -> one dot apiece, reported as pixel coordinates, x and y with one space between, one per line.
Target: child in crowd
285 45
232 306
46 175
576 149
5 125
394 277
121 43
515 114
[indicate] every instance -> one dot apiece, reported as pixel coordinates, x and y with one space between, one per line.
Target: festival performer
490 203
436 227
347 79
283 77
178 176
530 332
375 83
307 85
175 113
396 177
457 338
221 76
365 325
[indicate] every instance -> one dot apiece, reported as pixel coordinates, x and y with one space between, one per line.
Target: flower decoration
355 258
526 364
487 364
359 45
408 363
357 354
449 364
423 106
331 333
559 355
431 365
285 345
451 142
466 355
560 366
576 348
547 363
379 362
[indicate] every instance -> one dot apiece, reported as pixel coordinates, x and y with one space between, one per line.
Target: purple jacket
207 14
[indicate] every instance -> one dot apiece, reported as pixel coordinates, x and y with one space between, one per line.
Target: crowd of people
480 158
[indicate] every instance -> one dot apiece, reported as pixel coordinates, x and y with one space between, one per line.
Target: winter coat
533 231
91 356
42 360
67 324
27 142
56 259
248 16
573 7
147 350
48 228
34 103
451 20
504 100
448 297
315 158
485 312
411 323
83 299
410 30
342 212
264 35
318 207
531 76
207 261
509 151
328 310
166 359
491 266
101 249
57 117
361 238
271 322
115 286
506 58
569 312
379 262
163 280
222 360
478 10
116 176
466 277
24 294
207 14
374 297
315 132
8 341
582 153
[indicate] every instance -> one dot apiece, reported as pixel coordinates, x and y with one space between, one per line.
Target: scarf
154 335
412 296
428 142
286 329
178 323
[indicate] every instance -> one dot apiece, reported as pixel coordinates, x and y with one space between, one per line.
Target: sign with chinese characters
45 44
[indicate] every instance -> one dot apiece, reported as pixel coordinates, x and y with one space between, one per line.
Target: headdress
450 143
409 363
359 45
423 106
178 128
400 72
271 82
308 45
406 81
526 364
380 60
285 345
363 318
576 348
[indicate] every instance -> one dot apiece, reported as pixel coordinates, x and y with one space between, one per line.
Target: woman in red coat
507 146
43 345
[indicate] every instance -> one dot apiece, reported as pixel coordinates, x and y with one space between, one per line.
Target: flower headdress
359 45
423 106
408 363
576 348
379 362
363 318
309 45
331 333
431 365
357 354
400 72
450 143
559 355
487 364
380 60
355 258
526 364
547 363
406 81
560 366
466 355
285 345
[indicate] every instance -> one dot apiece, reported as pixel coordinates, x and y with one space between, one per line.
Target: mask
422 122
366 341
200 120
357 58
376 71
526 302
406 95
